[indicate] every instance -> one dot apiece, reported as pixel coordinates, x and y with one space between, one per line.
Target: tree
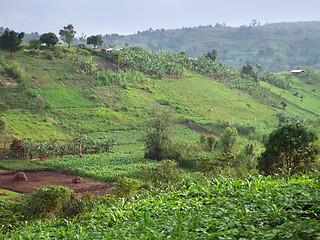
95 40
35 44
11 41
228 140
50 39
291 148
157 138
67 34
213 54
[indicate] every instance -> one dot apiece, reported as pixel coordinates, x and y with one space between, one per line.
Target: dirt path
197 128
51 177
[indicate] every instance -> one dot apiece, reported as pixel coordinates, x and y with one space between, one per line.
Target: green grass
300 102
199 94
63 97
40 127
21 165
8 195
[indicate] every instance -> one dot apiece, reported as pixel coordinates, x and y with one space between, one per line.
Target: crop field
254 208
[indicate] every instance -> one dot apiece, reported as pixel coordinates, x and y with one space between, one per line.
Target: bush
290 149
165 174
157 137
126 187
45 202
49 55
15 70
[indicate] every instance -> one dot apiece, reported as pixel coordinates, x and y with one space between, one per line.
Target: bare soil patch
197 128
51 177
106 64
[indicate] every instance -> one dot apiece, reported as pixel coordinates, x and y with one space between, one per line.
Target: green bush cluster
163 175
48 202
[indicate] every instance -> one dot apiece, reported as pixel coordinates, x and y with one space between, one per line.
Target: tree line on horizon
279 46
11 40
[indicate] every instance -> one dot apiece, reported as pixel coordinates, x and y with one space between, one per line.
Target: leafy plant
165 174
126 187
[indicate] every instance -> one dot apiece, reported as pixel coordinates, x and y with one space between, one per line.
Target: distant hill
277 47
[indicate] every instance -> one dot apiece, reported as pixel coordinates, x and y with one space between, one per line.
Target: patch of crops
254 208
107 167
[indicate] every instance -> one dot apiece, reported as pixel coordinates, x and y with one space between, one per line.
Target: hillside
81 90
277 47
84 113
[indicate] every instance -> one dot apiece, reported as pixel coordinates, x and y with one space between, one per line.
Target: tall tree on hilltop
67 34
11 41
95 40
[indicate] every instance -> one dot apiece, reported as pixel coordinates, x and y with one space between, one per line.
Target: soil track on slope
51 177
197 128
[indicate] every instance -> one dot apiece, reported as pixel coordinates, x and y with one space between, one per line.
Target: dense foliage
11 41
290 148
254 208
50 39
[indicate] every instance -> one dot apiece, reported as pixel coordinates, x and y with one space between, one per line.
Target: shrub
157 137
17 147
290 149
14 70
49 55
76 204
165 174
45 202
126 187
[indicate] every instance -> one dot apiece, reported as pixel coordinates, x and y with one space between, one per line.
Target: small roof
298 71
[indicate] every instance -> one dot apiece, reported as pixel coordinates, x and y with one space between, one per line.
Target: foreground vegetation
254 208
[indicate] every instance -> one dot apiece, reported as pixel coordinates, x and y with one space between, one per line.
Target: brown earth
51 177
197 128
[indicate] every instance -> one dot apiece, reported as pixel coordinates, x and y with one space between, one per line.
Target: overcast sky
129 16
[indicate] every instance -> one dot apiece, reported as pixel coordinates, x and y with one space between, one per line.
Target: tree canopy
291 148
95 40
11 41
213 54
67 34
50 39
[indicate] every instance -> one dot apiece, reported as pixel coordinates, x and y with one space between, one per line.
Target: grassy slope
66 101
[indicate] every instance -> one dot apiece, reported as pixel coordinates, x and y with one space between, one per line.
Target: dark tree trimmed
50 39
95 40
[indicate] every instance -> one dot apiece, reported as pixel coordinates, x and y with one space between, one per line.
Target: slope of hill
278 47
77 91
60 93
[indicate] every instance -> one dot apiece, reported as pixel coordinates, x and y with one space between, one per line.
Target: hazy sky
130 16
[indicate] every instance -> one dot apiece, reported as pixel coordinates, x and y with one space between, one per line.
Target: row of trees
11 40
